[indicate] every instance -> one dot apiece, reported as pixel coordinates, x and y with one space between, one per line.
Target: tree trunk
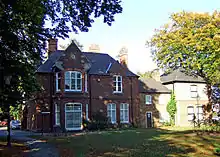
208 106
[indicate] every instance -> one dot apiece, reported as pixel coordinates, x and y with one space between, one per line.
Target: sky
135 25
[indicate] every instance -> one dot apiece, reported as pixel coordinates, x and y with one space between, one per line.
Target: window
86 79
87 111
73 119
73 81
124 113
117 84
190 111
199 110
57 114
58 81
111 112
193 91
148 99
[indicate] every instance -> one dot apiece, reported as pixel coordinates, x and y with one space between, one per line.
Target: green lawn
137 143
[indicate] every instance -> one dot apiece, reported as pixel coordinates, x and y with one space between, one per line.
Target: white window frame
117 81
150 99
193 113
198 113
75 80
74 128
112 108
57 111
193 90
123 110
57 81
87 112
86 82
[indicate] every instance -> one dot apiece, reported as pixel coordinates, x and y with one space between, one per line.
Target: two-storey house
77 85
191 97
153 101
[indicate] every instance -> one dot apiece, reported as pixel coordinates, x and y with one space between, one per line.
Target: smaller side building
191 97
153 101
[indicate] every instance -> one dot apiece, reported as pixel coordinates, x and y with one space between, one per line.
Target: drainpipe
51 100
132 114
90 96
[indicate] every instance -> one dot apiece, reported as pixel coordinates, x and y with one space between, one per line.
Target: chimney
94 48
123 56
52 46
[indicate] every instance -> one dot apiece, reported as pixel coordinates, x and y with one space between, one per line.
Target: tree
25 27
78 44
148 74
171 108
191 41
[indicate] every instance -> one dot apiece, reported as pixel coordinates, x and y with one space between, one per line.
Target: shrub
98 122
210 128
167 123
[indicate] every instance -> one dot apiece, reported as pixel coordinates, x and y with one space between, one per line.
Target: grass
137 143
18 149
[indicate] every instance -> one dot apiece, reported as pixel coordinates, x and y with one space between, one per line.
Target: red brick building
79 84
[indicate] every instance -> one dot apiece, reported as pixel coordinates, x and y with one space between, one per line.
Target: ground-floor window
199 110
111 112
73 116
124 113
57 114
190 111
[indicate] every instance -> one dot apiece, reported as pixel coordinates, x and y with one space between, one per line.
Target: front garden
138 143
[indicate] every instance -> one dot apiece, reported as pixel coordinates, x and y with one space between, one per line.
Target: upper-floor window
58 81
148 99
117 84
73 81
193 91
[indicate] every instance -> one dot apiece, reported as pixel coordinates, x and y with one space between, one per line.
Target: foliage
78 44
171 108
210 128
191 41
167 123
99 122
148 74
15 111
25 27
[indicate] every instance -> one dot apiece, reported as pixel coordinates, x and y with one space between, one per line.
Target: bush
167 123
210 128
99 122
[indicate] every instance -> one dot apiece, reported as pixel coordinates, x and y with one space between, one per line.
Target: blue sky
135 25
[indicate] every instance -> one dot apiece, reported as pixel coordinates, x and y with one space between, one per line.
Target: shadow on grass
136 143
17 149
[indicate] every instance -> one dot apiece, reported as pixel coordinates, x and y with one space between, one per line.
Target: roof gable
150 85
99 63
179 75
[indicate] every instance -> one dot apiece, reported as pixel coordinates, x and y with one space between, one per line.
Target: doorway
149 119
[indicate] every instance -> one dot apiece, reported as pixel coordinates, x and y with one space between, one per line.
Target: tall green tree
148 74
25 27
191 41
171 108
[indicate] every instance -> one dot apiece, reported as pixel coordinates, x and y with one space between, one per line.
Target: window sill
149 104
117 93
73 91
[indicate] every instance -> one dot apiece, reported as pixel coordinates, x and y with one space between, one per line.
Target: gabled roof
179 75
99 63
150 85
